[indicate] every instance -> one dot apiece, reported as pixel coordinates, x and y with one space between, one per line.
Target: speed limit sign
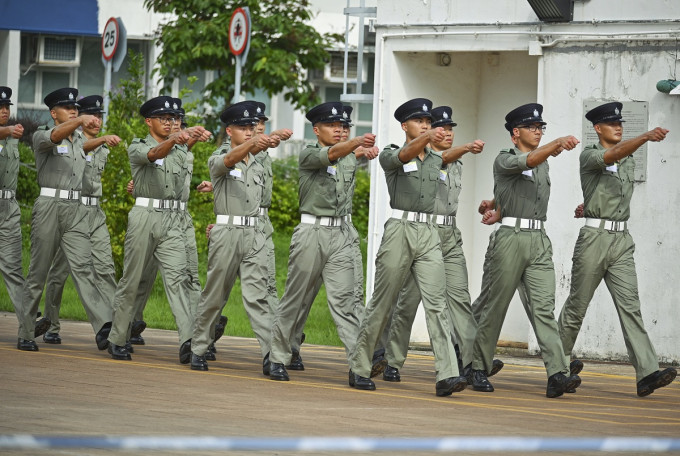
110 39
239 31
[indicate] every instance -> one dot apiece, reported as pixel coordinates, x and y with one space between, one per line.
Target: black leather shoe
210 354
102 337
220 327
575 367
198 363
52 338
467 373
138 326
128 347
185 352
41 326
118 352
558 384
27 345
496 367
296 362
278 372
480 382
302 338
378 367
266 365
359 382
391 374
450 385
139 340
656 380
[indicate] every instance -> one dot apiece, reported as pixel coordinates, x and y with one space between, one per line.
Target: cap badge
167 104
246 113
536 114
4 95
70 96
259 110
174 106
334 111
425 107
616 111
98 103
344 114
445 115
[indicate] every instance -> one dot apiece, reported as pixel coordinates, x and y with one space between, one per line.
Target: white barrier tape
345 444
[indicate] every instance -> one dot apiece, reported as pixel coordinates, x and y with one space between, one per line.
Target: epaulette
138 140
391 147
43 127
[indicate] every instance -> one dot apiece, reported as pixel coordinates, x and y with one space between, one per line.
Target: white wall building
487 57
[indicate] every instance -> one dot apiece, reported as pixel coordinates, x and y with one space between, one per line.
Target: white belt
240 220
156 203
58 193
348 218
7 194
421 217
527 224
323 221
89 200
264 211
182 205
449 220
608 225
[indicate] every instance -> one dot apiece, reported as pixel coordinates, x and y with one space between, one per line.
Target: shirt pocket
526 187
611 182
236 185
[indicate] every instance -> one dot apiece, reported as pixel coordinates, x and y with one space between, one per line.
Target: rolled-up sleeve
138 153
42 141
592 158
315 158
509 163
389 159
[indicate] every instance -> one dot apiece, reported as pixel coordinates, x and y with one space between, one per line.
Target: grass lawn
320 328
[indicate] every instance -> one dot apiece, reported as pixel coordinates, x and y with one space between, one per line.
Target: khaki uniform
521 255
60 221
602 253
236 249
458 296
10 222
409 248
102 258
320 248
153 234
265 225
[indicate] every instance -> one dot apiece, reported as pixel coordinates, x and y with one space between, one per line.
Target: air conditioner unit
59 50
334 71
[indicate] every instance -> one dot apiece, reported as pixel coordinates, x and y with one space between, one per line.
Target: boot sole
664 380
378 368
496 368
456 388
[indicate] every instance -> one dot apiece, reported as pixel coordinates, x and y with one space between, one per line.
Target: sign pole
237 81
107 89
239 44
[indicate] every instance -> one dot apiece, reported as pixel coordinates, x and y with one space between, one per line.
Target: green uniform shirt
413 185
95 162
607 189
59 165
160 179
237 190
9 163
320 192
521 191
347 167
450 184
189 167
266 161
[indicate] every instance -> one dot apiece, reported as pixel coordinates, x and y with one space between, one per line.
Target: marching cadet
153 232
102 258
10 215
522 251
604 249
458 296
321 244
410 245
349 163
59 219
236 246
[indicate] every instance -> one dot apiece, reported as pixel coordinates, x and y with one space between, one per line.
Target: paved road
75 389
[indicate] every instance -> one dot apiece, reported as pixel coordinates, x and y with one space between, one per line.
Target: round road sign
110 39
239 31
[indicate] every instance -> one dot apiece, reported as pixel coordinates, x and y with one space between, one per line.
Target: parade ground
73 389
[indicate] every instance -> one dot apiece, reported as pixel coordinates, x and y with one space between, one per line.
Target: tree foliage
283 46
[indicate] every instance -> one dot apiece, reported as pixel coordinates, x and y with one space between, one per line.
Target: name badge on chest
528 172
237 173
62 149
332 170
410 166
88 157
613 168
442 175
159 161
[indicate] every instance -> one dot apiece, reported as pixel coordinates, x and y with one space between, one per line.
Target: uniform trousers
234 252
598 255
10 246
317 252
152 234
104 269
521 256
458 302
408 248
59 223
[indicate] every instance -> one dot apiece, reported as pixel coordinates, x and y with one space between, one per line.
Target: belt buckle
616 226
420 217
533 224
71 194
245 221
